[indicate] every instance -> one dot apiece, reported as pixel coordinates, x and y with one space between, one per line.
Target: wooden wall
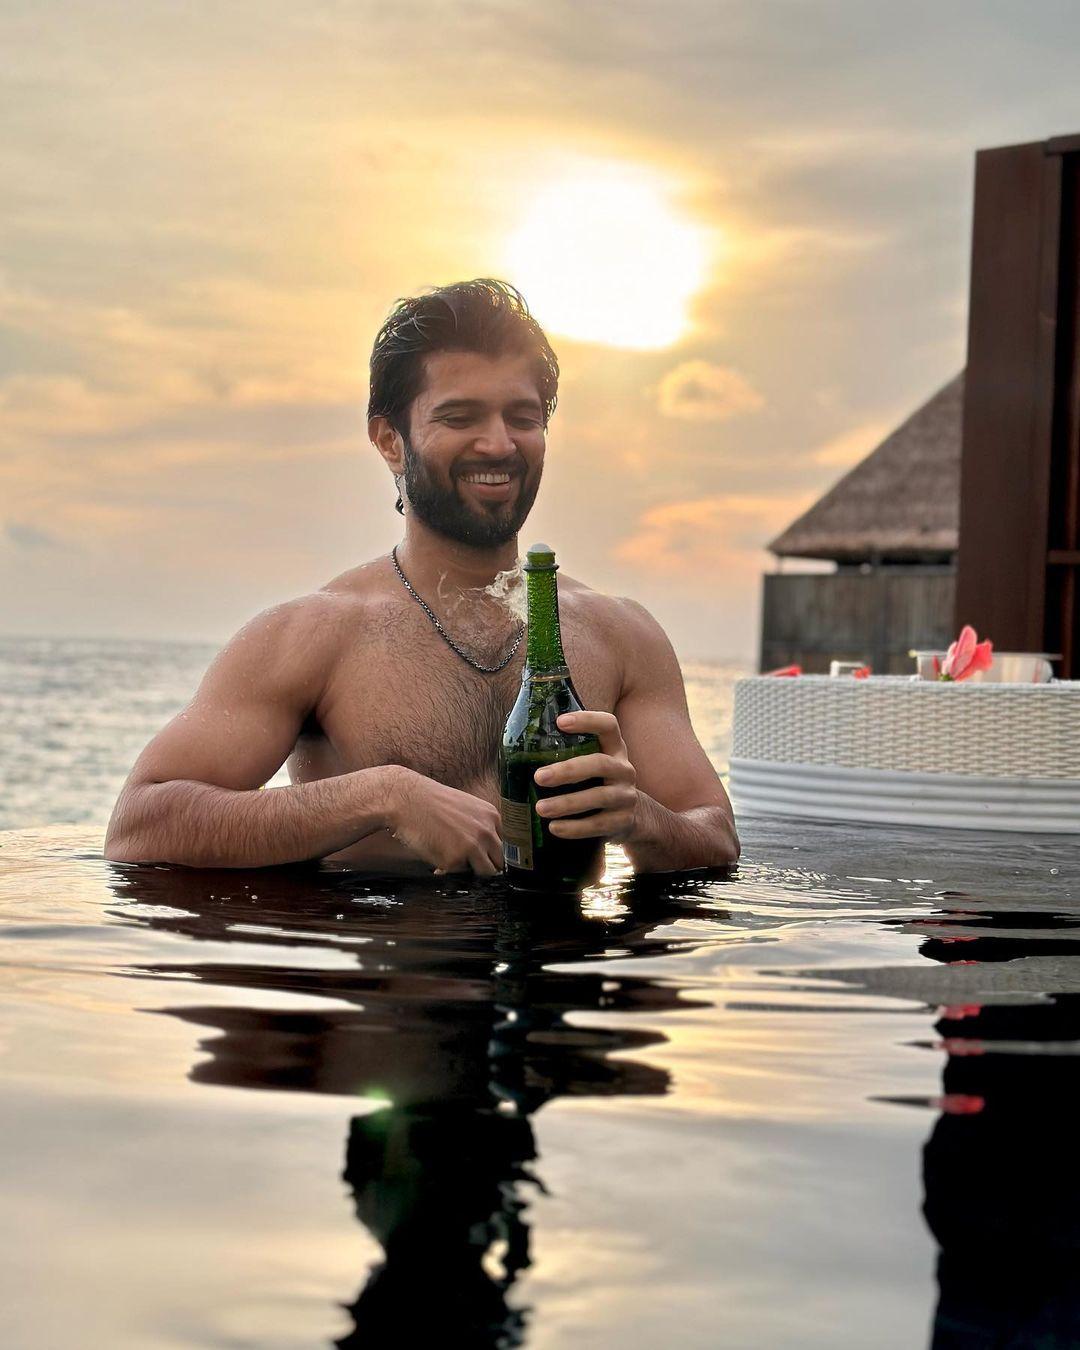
1018 566
875 616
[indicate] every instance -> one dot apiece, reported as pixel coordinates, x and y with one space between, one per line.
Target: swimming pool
299 1109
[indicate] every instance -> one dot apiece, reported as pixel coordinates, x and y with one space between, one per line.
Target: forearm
200 825
668 841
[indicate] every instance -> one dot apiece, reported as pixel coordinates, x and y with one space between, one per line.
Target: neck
431 561
545 650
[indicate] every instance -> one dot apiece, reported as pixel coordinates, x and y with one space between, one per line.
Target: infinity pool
828 1101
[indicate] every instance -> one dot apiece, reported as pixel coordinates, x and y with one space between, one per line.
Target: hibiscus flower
966 655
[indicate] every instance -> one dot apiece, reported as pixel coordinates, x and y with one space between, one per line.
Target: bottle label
517 833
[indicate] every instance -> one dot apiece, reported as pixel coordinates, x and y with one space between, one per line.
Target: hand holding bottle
536 859
613 803
450 829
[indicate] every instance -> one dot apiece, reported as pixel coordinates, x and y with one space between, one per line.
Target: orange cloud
698 391
709 535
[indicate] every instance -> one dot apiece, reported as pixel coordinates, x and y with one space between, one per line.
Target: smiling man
387 690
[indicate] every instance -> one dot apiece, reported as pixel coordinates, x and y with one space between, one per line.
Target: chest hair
406 698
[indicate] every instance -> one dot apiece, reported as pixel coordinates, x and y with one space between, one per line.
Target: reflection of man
441 1191
461 1038
387 690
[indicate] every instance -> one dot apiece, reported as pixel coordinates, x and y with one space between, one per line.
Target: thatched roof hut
900 504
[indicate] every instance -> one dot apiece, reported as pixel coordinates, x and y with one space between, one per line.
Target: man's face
475 449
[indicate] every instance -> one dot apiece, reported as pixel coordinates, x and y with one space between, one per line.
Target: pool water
827 1101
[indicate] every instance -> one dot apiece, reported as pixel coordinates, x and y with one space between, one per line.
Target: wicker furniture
900 751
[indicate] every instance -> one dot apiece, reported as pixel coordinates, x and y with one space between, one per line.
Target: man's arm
193 796
661 798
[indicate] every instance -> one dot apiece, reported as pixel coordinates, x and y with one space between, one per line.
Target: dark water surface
826 1102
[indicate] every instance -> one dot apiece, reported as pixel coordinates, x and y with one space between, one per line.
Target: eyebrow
471 404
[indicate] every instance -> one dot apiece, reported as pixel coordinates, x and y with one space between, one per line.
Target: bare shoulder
624 625
298 641
618 614
338 609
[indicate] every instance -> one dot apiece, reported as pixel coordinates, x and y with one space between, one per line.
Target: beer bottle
534 858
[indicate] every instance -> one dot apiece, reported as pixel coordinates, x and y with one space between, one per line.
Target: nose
495 439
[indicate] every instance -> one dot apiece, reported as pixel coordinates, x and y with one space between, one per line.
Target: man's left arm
661 798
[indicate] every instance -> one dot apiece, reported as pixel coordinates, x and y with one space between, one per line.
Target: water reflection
1001 1177
453 1014
1000 1171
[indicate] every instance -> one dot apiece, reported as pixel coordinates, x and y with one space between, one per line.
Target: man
388 689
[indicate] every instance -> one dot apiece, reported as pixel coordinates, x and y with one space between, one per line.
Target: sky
210 208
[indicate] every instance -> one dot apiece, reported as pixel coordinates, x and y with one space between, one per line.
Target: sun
602 255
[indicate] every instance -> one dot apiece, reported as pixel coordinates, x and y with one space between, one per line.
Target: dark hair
485 316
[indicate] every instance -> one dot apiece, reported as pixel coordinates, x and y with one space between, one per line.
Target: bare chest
402 696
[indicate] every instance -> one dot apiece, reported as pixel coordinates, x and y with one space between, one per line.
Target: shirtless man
391 736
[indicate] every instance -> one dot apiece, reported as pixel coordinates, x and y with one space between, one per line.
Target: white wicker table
898 751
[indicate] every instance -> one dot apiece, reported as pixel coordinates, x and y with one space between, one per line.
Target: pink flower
966 655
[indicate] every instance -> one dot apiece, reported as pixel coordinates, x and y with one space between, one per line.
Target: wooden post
1019 553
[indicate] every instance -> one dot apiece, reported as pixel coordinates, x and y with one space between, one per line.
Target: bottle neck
544 653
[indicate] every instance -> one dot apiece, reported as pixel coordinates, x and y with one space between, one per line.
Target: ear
388 442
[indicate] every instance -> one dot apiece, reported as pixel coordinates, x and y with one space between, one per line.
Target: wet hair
485 316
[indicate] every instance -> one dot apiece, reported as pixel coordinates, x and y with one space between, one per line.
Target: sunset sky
746 226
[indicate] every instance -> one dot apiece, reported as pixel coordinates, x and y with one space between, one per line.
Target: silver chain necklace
486 670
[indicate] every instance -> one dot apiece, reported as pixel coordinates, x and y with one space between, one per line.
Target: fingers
582 767
607 798
614 806
479 861
486 859
604 825
486 855
604 725
456 832
493 843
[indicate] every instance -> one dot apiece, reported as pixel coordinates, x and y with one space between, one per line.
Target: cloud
709 537
30 538
187 314
225 342
698 391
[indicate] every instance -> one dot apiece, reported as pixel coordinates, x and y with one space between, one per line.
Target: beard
484 525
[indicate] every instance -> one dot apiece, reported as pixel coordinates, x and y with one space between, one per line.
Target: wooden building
970 511
891 528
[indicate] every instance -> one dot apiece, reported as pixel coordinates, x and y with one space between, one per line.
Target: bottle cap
540 558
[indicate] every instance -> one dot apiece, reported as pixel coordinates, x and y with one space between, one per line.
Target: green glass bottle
534 858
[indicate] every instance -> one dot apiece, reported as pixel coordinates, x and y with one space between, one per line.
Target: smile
495 478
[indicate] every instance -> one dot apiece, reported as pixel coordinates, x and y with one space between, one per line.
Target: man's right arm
193 796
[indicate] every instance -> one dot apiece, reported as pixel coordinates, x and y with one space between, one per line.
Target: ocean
74 714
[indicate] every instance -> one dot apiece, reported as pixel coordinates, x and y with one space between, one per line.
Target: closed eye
460 421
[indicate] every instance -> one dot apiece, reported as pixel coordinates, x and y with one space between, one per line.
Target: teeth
486 477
